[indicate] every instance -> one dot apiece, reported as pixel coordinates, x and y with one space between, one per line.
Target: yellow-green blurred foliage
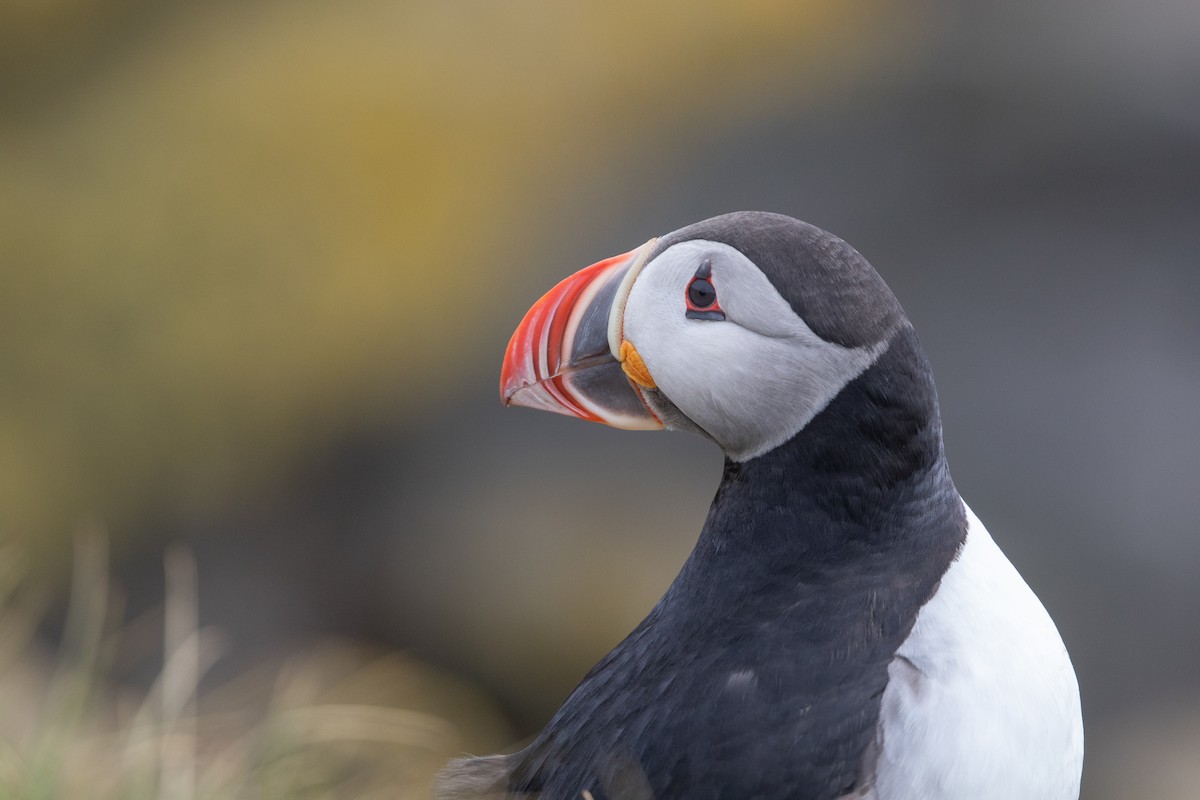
336 721
229 232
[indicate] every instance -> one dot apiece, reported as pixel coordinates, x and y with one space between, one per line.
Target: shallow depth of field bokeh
259 262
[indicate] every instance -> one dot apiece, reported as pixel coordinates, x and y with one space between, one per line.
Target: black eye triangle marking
705 270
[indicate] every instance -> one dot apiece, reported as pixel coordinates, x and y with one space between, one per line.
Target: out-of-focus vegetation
337 721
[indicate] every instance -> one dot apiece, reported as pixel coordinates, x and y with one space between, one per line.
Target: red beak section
560 358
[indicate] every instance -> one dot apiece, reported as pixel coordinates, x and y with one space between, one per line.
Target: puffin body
845 626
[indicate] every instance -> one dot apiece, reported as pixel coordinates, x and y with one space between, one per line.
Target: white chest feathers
982 701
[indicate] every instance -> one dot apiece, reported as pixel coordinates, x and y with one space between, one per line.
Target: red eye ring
701 295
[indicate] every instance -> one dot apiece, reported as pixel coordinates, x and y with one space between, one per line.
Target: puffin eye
702 295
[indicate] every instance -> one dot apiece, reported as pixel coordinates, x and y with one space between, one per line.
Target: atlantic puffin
845 627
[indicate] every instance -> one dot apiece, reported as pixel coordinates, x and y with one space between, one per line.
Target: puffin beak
569 356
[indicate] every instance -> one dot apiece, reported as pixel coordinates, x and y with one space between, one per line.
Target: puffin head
741 327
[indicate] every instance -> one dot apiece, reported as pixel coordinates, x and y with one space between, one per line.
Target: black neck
865 482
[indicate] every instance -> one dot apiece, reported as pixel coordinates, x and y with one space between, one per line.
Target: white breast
982 701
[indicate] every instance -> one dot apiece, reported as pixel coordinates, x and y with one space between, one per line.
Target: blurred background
259 262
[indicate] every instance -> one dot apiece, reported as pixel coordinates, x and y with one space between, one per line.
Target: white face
751 380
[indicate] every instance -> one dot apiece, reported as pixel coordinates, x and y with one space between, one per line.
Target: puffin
845 627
